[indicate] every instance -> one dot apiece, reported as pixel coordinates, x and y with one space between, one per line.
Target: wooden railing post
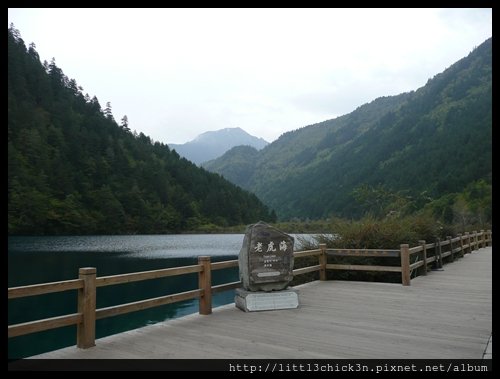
205 284
437 253
461 245
424 256
405 264
451 248
489 240
322 261
85 336
467 250
483 239
474 237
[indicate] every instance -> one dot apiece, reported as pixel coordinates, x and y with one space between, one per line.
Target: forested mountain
238 164
213 144
422 145
73 170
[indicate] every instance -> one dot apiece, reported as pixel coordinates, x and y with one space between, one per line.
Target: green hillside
418 147
72 169
238 164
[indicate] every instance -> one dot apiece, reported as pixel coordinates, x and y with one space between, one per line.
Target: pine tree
124 124
107 111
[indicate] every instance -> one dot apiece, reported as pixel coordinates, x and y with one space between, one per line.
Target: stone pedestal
251 301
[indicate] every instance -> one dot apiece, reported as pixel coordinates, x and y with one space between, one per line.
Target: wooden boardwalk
444 315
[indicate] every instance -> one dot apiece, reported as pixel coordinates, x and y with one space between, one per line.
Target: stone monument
266 269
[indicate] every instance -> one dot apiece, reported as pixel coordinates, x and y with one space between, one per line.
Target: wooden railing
453 247
87 282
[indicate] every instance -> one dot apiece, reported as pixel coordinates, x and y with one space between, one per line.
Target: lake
33 260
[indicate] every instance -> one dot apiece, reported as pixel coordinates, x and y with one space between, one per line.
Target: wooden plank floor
446 315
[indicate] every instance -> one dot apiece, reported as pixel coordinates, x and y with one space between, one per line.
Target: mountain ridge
73 170
441 131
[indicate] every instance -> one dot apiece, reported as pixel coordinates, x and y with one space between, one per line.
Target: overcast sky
177 73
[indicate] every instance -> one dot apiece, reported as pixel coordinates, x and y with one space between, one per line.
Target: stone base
266 301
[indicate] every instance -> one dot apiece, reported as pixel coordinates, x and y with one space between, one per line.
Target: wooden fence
87 282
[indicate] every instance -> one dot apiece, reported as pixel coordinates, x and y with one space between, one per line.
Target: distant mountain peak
213 144
236 132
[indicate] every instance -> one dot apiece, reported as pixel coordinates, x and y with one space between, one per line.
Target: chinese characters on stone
270 259
259 248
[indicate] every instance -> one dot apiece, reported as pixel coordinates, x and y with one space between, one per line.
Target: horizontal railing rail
88 282
363 253
146 275
41 289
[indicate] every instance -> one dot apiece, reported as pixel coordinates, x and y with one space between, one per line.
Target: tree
95 104
107 111
124 124
461 212
14 32
32 51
